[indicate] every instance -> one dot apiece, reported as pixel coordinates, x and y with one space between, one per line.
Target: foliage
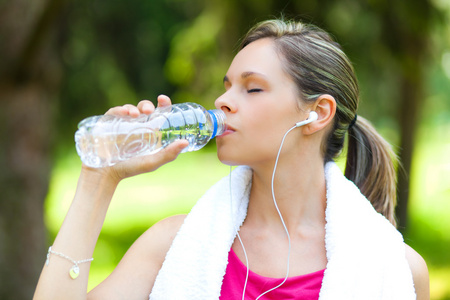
117 52
114 53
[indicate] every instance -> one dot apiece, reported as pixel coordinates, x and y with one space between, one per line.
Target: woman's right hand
142 164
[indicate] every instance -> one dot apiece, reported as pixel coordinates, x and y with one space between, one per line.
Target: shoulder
420 273
168 226
162 233
152 246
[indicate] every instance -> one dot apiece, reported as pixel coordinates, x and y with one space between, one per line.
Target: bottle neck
219 122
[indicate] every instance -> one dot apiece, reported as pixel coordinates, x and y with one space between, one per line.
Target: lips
229 130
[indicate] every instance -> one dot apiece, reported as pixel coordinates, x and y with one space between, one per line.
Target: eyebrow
243 76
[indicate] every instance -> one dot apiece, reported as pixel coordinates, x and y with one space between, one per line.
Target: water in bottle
106 140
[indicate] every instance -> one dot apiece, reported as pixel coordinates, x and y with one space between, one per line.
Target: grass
141 201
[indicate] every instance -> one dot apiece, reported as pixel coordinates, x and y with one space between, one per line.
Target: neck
300 193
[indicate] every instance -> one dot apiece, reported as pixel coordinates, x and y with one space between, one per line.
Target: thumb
151 162
170 153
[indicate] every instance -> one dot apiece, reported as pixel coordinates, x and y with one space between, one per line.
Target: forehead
259 56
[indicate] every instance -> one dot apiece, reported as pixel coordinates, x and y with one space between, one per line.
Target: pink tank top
304 287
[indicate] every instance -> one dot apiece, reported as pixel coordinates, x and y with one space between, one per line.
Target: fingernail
147 106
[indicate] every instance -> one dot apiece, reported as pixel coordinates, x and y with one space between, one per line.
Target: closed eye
254 91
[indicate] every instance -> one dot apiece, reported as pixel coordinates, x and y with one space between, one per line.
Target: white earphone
313 116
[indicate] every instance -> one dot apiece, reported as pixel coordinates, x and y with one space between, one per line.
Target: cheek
243 149
258 139
267 126
270 127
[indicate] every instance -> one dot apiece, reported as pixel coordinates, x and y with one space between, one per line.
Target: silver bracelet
75 270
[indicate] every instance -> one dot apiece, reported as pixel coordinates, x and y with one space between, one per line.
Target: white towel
366 254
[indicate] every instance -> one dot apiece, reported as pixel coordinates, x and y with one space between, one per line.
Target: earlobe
325 107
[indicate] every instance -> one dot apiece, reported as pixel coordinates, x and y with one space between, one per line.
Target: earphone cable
282 222
281 217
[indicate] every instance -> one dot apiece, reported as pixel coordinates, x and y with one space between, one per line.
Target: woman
304 230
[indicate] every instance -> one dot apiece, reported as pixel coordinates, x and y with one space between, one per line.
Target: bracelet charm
74 271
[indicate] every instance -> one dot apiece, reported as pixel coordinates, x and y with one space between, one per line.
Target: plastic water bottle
106 140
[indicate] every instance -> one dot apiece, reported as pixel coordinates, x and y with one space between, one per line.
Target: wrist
95 186
96 177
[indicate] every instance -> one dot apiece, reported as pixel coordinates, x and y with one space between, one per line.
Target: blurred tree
406 31
114 53
390 43
29 80
91 55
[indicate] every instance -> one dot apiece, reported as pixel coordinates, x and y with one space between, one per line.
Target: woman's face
261 103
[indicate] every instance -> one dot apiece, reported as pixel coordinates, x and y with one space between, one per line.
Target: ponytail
371 166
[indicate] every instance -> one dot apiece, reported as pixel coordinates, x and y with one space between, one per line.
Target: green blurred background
62 60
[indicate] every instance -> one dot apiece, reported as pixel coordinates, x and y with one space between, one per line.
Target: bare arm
79 233
135 275
420 273
76 239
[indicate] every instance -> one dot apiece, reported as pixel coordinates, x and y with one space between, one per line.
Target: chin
228 158
234 161
227 161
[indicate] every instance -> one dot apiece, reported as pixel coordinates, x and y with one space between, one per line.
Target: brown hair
318 66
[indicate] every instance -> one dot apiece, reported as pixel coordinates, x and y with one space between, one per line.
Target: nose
225 103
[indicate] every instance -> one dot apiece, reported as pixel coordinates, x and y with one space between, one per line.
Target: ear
325 107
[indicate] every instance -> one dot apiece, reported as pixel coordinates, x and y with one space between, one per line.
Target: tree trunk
408 41
25 165
411 91
29 77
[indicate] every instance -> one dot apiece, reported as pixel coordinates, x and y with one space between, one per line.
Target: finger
171 152
163 101
149 163
117 110
146 107
168 154
132 110
124 110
